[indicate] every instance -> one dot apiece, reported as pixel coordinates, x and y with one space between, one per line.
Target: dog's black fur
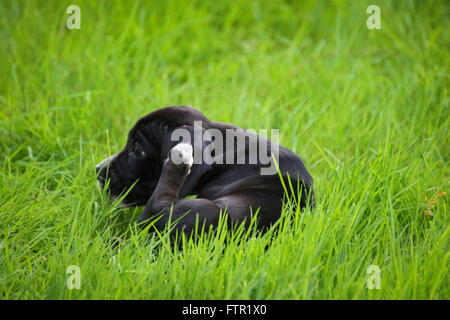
159 183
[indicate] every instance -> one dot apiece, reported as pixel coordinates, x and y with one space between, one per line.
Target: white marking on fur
105 162
182 153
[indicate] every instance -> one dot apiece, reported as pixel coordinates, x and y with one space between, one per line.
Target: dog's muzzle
102 170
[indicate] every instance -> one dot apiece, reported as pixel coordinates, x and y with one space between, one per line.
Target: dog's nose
101 176
103 169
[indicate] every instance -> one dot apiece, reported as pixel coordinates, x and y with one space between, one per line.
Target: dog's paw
182 157
182 153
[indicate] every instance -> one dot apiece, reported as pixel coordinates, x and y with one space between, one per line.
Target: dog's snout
101 173
102 169
101 176
105 163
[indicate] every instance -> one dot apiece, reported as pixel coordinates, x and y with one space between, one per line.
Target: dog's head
136 168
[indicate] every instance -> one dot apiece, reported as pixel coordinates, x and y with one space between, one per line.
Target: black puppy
175 152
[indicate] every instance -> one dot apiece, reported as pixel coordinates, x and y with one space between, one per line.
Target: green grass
368 111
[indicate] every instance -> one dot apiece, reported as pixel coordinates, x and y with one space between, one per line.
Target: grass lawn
367 110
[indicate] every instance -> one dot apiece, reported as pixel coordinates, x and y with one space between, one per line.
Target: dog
162 164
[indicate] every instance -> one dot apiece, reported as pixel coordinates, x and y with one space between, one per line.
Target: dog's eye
138 152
